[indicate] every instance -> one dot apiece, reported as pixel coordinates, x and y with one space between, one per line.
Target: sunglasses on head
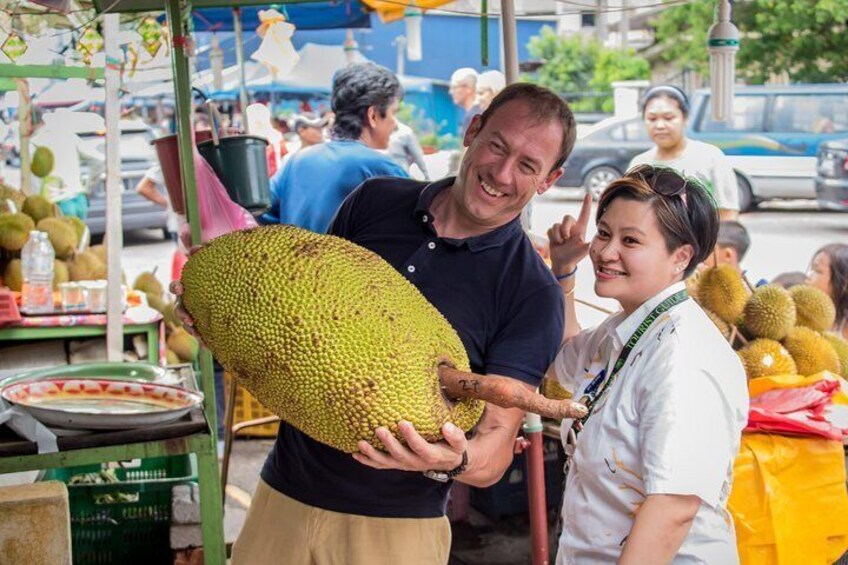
664 181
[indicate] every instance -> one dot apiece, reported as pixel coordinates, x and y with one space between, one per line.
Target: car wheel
597 180
746 195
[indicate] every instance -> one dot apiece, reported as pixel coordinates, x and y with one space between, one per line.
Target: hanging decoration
14 47
89 43
216 63
276 51
150 31
723 43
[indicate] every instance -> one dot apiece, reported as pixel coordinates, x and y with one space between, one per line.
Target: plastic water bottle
37 272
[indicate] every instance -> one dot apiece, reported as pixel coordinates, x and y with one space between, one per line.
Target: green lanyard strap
663 307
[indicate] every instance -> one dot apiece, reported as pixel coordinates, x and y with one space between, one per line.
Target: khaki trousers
279 530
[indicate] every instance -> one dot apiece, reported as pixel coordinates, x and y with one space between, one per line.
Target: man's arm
147 188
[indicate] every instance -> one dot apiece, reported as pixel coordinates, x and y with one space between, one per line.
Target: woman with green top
648 470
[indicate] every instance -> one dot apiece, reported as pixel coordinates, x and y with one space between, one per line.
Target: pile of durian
775 331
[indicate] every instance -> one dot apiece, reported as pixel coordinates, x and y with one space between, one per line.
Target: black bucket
240 162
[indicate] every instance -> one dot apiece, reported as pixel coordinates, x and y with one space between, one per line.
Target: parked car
137 156
771 140
832 175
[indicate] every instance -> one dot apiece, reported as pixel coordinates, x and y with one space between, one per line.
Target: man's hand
176 288
417 454
568 245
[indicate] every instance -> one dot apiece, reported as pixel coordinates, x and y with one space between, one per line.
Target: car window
810 113
748 112
617 133
636 131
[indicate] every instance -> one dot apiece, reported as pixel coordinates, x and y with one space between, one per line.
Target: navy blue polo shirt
494 289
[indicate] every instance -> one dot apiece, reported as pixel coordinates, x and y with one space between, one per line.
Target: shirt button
411 268
425 218
431 245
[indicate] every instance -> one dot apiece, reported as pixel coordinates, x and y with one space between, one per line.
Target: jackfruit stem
506 393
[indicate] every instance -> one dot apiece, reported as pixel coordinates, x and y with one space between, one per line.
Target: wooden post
114 186
25 131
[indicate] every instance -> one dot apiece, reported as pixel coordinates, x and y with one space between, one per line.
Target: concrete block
185 504
186 535
35 524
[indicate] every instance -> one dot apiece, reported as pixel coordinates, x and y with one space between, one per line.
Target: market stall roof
332 14
127 6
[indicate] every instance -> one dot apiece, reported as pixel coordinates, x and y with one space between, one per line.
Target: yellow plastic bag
789 501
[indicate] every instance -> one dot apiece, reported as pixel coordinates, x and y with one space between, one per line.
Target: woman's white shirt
670 424
705 162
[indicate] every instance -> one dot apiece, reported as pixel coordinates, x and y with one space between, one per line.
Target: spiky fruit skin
721 290
769 313
325 334
14 231
550 388
12 276
815 308
63 237
723 327
812 353
840 345
766 358
76 223
37 207
86 266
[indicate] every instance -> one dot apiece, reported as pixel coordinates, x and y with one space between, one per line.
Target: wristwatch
445 476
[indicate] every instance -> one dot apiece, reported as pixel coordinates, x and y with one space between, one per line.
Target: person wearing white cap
489 83
463 91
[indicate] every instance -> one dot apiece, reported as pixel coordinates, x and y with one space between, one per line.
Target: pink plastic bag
796 411
218 213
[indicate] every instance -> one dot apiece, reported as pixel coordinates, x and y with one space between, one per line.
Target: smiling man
460 242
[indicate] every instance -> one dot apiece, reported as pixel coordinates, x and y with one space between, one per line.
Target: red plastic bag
797 409
218 213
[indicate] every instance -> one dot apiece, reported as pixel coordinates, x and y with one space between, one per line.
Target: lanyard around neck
628 348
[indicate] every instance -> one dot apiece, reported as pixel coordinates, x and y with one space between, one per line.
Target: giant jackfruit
815 308
765 358
325 334
721 290
769 313
812 353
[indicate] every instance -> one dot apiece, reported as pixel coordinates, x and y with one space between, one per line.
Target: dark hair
838 255
689 217
666 91
789 279
545 105
734 235
356 88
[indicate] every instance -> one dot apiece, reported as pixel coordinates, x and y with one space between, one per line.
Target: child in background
732 245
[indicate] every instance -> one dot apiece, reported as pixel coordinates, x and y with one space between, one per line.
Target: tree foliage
806 40
579 64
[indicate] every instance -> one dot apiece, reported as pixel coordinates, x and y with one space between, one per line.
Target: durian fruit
14 231
692 282
722 291
765 358
10 193
325 334
78 225
722 326
148 283
60 273
171 358
184 345
815 308
37 207
99 251
86 266
12 276
769 313
42 162
62 236
812 353
550 388
840 345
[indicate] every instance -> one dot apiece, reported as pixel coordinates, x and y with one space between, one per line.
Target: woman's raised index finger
585 212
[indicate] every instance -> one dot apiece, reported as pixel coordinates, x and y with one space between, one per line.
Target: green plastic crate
125 532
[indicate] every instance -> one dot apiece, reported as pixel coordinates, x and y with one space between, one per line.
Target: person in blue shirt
311 187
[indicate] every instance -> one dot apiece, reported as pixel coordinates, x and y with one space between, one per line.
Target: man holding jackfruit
460 242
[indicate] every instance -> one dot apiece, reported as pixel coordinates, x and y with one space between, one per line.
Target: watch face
440 476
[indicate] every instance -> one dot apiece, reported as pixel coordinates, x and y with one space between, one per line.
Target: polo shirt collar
494 238
625 328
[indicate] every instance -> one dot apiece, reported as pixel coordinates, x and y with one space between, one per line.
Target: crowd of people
649 466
